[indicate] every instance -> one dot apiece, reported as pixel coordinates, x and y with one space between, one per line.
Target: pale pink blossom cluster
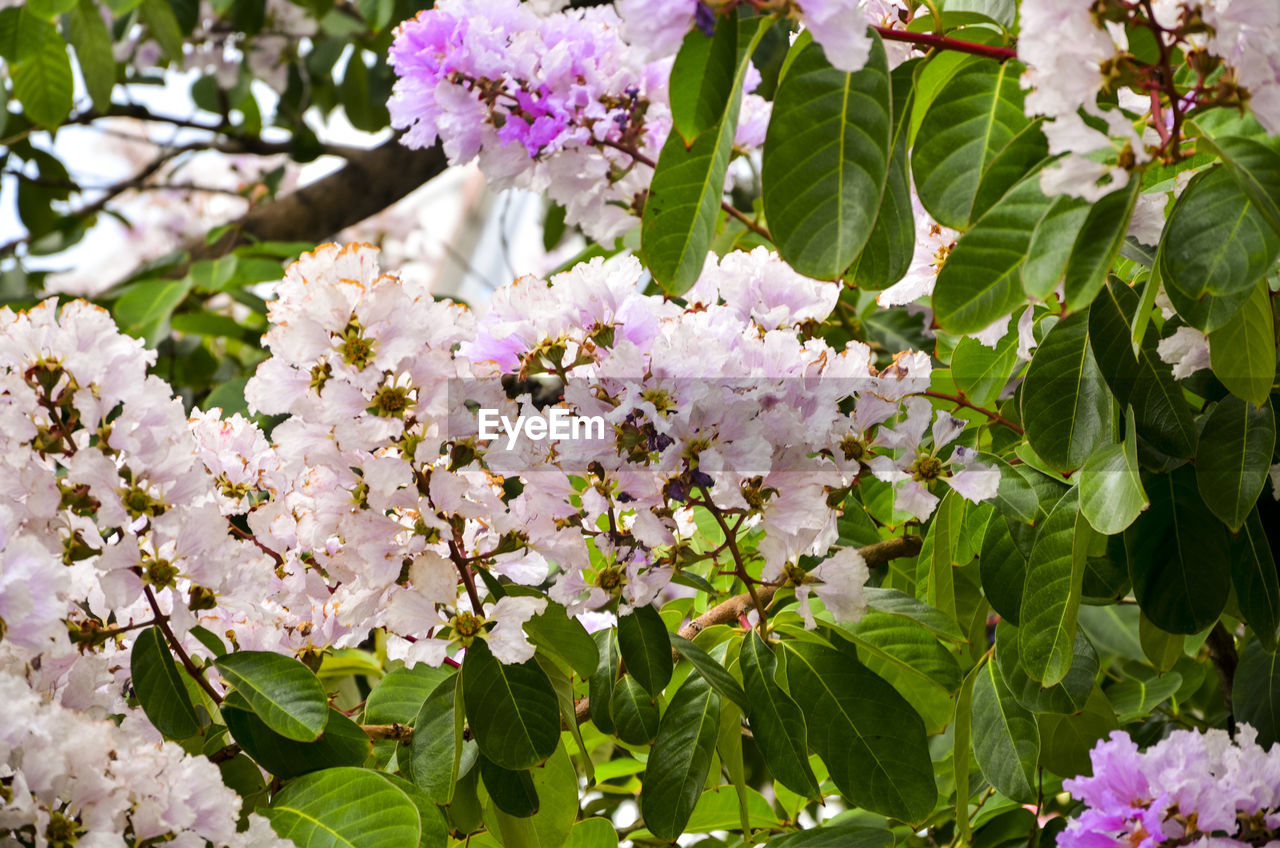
1076 49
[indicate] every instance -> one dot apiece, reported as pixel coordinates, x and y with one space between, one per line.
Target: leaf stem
961 400
941 42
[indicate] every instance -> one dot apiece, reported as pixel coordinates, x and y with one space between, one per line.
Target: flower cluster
1191 788
1077 51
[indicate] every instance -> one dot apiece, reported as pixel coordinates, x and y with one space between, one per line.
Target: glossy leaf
826 160
555 632
911 659
635 712
870 738
1051 594
1253 574
603 679
1065 402
398 697
1051 245
1006 742
512 792
1242 352
1111 494
436 748
282 691
901 604
1068 695
1256 169
511 708
556 787
776 720
1179 562
343 743
158 685
1215 241
345 808
716 674
681 758
645 645
981 280
975 143
1255 695
1003 570
1235 453
1098 244
702 79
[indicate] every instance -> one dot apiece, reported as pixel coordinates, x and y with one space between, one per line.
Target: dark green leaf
1111 494
511 708
556 785
826 160
1066 407
1253 573
1069 695
975 143
715 673
645 645
92 42
345 808
601 683
555 632
1255 695
776 720
901 604
398 697
982 372
343 743
681 758
981 280
1216 242
1242 352
1098 245
1179 562
159 687
1051 594
635 712
1051 245
435 827
1256 168
835 836
1067 739
282 691
1162 649
512 791
1006 742
1003 570
870 738
436 747
702 79
1236 445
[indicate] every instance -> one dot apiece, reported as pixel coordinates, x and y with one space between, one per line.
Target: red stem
941 42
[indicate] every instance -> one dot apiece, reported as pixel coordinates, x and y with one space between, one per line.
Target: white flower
507 640
838 582
1187 350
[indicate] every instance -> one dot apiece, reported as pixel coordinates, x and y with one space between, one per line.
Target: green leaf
282 691
399 696
826 160
1236 445
556 786
344 808
981 281
962 733
512 792
683 205
601 683
715 673
435 827
1069 695
1255 168
1051 595
343 743
702 79
1178 561
1253 574
870 738
594 832
645 645
635 712
42 79
553 631
1142 381
92 42
1098 244
887 255
776 720
159 687
681 758
1242 352
511 708
975 143
143 311
982 372
1067 739
1006 742
163 24
1162 649
835 836
910 658
1052 244
1002 569
1255 695
436 747
901 604
1215 242
1111 494
941 543
1134 698
1066 407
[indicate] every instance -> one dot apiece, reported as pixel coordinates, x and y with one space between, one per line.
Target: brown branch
729 611
941 42
961 400
399 732
1222 651
162 621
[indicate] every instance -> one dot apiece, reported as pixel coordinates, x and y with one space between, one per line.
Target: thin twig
941 42
961 400
162 621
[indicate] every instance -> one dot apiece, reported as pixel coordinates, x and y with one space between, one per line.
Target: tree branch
941 42
1222 651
